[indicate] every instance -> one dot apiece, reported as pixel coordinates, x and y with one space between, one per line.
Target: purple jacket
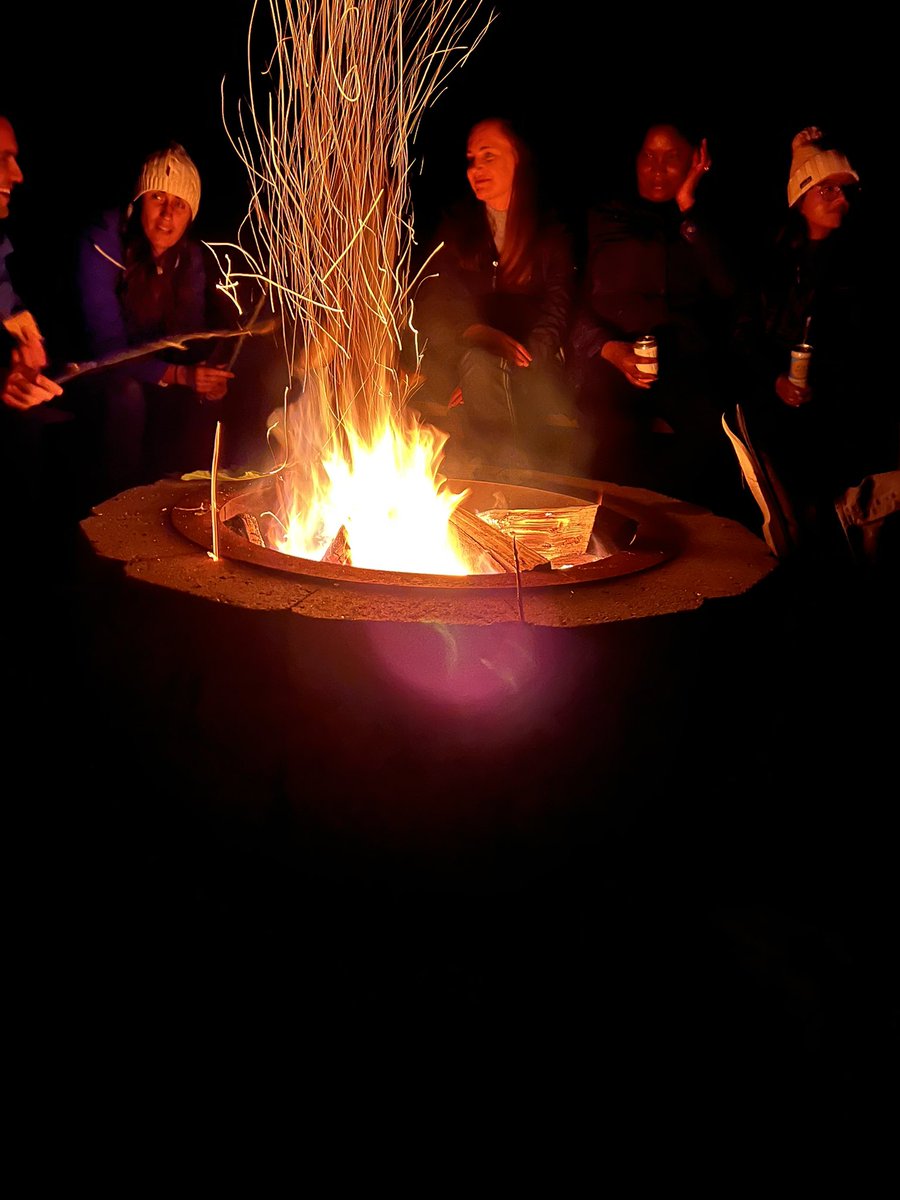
130 303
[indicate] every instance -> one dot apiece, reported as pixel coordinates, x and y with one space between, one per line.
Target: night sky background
93 89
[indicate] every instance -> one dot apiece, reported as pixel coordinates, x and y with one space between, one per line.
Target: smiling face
491 165
10 172
663 162
164 219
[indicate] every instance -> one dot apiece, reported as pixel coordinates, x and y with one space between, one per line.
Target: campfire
502 535
384 505
482 529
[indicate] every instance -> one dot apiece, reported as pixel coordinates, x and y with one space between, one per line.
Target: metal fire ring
629 538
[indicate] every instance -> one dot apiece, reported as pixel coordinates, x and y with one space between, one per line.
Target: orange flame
386 494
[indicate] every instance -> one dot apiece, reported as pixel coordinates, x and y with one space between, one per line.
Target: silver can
645 349
799 372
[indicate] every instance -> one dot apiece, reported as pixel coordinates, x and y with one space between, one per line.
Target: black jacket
850 426
652 269
461 287
802 281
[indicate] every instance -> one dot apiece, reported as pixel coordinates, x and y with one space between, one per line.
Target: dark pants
667 438
148 432
510 416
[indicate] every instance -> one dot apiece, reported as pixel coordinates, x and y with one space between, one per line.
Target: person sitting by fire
27 393
22 353
142 277
655 264
492 315
819 433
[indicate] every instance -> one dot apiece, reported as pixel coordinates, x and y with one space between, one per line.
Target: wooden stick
213 499
518 580
173 342
239 345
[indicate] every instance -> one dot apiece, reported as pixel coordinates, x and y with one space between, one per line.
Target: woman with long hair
493 311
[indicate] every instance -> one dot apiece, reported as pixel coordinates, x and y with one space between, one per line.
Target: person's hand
211 383
499 343
23 327
23 387
795 396
622 356
700 164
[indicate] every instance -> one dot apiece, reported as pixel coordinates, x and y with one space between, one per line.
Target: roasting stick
518 579
213 499
173 342
254 317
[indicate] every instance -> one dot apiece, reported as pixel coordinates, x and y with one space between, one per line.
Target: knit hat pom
810 134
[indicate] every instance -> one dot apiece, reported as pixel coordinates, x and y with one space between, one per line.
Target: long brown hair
517 256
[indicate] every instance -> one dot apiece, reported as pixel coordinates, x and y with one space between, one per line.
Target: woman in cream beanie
144 276
171 170
814 164
825 434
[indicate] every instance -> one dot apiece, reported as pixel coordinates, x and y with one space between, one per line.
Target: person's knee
487 392
476 363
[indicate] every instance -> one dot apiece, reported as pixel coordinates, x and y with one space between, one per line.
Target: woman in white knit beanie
144 276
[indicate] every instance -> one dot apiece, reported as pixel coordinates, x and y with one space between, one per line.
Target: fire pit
337 711
685 557
351 709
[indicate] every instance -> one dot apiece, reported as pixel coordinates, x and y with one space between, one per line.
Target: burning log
476 537
339 549
553 534
247 525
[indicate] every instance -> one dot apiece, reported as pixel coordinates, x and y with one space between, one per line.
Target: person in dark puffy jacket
824 434
656 265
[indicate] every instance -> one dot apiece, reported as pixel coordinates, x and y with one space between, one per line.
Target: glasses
831 191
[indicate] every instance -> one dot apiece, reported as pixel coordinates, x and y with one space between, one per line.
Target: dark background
777 1006
94 89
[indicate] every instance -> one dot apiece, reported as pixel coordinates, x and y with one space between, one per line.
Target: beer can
799 372
645 348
